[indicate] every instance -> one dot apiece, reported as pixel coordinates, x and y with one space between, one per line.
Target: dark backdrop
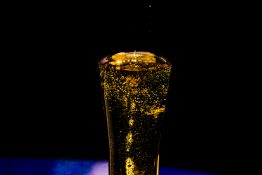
51 105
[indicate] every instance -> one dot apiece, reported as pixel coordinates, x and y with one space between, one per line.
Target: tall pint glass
135 88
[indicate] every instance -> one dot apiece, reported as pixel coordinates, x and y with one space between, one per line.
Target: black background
52 104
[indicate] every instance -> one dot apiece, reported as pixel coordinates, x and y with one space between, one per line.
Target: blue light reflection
69 167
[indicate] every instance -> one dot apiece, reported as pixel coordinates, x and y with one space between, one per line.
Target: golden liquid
135 86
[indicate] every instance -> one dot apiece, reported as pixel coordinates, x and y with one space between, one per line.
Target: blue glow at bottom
69 167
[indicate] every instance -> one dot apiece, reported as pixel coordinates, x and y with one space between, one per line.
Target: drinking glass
135 88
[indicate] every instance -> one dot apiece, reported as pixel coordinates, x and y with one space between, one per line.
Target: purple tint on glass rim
104 60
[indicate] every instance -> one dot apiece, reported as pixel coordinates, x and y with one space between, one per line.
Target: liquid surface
135 61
